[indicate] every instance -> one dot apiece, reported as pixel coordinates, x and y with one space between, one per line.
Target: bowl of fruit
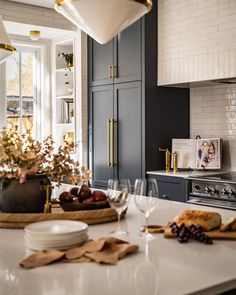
83 198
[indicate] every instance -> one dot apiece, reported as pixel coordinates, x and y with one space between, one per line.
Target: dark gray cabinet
171 188
145 115
119 60
115 149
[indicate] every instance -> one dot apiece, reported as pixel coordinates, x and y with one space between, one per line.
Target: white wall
213 114
196 40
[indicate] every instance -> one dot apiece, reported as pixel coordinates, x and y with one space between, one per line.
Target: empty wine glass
145 198
118 194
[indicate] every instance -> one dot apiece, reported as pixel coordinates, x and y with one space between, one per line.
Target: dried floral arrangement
21 156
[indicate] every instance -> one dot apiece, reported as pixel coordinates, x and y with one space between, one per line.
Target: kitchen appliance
217 190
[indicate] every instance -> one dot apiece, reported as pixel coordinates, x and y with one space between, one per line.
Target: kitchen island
163 267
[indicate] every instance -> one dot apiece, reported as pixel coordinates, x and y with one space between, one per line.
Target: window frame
37 96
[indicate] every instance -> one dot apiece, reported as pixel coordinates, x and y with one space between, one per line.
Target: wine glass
118 195
145 198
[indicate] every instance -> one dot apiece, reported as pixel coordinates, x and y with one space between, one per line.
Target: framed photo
68 111
209 153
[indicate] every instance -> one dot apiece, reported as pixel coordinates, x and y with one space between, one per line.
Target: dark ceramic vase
27 197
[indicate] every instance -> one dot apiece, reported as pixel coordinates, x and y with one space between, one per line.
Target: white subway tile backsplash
213 114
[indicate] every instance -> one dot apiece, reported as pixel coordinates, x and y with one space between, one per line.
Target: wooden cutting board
214 234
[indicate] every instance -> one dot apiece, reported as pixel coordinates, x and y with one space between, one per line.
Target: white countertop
183 174
171 267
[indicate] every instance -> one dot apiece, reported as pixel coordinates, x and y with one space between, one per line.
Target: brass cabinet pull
114 71
109 142
110 71
113 142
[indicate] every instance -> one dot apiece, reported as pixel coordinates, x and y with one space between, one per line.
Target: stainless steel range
218 190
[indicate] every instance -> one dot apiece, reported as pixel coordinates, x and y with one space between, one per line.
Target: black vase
27 197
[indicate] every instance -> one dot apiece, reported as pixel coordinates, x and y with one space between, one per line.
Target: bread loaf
208 220
229 224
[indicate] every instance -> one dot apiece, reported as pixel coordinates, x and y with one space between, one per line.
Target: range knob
224 192
207 190
214 191
197 188
231 192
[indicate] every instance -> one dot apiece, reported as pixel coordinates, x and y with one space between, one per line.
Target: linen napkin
105 250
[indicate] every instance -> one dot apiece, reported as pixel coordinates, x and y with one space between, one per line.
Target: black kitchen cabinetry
120 154
146 116
171 188
117 61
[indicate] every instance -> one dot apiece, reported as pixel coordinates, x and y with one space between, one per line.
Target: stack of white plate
55 234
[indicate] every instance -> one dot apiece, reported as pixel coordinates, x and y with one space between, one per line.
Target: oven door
213 202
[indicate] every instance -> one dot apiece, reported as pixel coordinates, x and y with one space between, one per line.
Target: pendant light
6 48
103 19
34 35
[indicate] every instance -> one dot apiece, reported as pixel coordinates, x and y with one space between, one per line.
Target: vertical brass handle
110 71
113 142
109 142
113 71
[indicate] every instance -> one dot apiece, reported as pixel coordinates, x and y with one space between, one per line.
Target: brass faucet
175 162
167 158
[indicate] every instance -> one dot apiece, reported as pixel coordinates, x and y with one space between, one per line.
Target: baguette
229 224
208 220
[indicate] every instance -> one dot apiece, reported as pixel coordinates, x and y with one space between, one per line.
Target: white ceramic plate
55 238
55 227
37 247
57 243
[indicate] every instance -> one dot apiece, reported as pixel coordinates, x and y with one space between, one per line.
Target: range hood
226 81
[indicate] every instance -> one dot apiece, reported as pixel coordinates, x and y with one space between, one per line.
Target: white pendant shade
103 19
6 48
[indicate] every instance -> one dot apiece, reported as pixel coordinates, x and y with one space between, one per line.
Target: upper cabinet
196 41
117 61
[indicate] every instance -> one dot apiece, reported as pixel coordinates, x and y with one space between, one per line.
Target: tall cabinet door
100 62
128 54
127 107
101 109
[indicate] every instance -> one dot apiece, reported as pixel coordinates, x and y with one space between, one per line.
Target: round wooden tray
20 220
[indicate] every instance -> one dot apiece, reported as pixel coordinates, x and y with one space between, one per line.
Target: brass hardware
175 162
110 71
167 158
113 142
7 47
109 142
147 3
114 74
47 205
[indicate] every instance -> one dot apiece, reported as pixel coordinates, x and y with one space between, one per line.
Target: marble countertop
163 266
183 174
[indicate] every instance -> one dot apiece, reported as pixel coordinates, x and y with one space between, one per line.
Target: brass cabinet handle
110 71
113 142
114 71
109 142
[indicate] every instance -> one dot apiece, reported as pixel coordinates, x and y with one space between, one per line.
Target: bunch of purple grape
195 231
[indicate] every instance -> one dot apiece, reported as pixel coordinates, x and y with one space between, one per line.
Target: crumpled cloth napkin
105 250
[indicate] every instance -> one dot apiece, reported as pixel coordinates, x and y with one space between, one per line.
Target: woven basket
20 220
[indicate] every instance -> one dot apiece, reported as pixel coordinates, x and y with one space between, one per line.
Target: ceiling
43 3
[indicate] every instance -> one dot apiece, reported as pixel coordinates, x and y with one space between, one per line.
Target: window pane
27 59
27 116
13 113
12 75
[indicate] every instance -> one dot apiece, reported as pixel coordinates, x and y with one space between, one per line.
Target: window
21 89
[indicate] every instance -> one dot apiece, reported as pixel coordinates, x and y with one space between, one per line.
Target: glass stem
146 224
119 226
